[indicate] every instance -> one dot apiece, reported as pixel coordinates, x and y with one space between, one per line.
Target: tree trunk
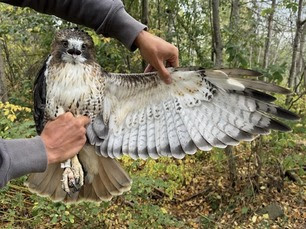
217 46
300 66
10 75
276 52
231 160
144 20
212 53
296 41
269 35
234 18
158 12
3 91
257 144
217 34
144 12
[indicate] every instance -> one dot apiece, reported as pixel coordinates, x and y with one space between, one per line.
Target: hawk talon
71 183
73 177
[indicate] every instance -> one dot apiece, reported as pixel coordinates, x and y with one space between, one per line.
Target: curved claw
73 177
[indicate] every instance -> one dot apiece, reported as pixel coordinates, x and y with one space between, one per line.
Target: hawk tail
104 178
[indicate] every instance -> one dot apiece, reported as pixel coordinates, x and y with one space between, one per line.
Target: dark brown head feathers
76 33
72 45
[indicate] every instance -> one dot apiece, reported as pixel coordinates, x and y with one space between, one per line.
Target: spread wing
143 117
40 97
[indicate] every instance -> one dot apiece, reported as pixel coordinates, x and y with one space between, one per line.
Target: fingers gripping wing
201 109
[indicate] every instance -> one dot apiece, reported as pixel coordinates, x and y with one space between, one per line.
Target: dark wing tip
284 90
286 114
260 95
277 125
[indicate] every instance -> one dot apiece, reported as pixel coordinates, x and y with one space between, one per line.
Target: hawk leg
73 175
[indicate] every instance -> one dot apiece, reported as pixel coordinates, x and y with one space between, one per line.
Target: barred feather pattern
201 109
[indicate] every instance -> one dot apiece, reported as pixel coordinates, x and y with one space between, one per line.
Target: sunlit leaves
15 121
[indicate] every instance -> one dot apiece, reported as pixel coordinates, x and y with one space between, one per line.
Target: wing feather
195 135
125 141
164 141
201 109
142 142
157 136
132 145
175 146
182 133
151 140
110 146
40 94
117 145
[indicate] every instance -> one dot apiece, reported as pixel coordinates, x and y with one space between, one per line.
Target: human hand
156 51
64 137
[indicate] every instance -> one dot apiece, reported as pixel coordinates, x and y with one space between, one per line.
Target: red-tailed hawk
140 116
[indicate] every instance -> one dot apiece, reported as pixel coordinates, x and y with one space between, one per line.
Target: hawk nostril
74 52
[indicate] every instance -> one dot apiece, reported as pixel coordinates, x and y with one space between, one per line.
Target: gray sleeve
107 17
21 156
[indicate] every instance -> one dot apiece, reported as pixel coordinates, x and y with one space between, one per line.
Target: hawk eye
84 46
65 43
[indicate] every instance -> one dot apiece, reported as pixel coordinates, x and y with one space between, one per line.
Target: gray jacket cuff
26 156
122 26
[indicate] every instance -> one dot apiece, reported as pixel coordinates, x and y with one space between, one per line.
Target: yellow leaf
163 210
11 117
106 39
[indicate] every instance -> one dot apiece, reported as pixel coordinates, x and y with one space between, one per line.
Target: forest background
258 185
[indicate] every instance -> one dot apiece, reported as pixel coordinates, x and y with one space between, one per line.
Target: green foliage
166 174
207 222
153 216
236 55
218 158
244 210
15 121
267 11
275 73
289 4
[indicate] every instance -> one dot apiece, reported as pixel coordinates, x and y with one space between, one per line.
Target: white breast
70 87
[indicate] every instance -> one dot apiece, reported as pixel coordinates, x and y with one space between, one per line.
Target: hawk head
72 46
